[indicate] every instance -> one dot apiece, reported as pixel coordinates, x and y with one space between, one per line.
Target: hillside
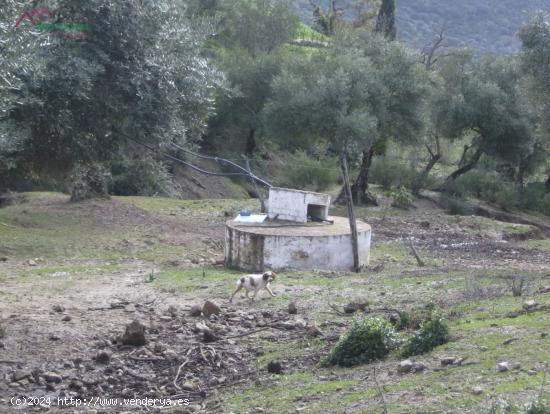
489 26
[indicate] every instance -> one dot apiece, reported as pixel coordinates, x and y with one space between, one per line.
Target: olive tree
136 69
535 61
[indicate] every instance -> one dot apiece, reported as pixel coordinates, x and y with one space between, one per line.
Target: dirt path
76 275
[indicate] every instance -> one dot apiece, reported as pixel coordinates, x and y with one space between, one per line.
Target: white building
295 205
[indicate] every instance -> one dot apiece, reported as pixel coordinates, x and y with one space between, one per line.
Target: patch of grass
299 389
194 208
195 279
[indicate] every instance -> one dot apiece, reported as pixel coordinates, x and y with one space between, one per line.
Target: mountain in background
488 26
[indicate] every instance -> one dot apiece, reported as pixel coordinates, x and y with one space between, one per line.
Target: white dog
256 283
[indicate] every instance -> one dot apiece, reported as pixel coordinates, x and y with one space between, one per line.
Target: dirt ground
72 276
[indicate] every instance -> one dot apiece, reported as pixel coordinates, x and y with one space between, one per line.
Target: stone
52 377
300 323
544 289
419 367
530 305
477 390
130 308
210 308
503 366
274 367
66 318
31 262
313 330
448 360
208 336
287 325
292 309
166 318
405 366
515 365
21 374
134 334
103 357
58 308
188 386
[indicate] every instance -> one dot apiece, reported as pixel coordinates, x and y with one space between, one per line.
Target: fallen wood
415 253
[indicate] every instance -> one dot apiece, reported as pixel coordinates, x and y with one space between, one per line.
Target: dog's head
269 276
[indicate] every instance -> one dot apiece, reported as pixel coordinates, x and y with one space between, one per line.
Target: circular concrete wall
291 246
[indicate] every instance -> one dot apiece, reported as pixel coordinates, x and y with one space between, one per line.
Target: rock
274 367
544 289
103 357
3 259
134 334
449 360
483 348
188 386
58 308
210 308
313 330
530 305
287 325
405 366
419 367
531 372
66 318
200 327
356 306
300 323
130 308
31 262
503 366
52 377
208 336
166 318
170 354
515 365
292 309
477 390
21 374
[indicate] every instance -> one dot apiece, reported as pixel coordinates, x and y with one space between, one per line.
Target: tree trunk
418 184
351 213
520 178
251 142
467 167
463 158
256 188
359 188
434 159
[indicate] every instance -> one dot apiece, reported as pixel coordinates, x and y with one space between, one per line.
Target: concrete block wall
291 205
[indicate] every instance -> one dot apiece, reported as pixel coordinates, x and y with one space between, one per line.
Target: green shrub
432 333
89 181
367 340
455 205
390 173
304 172
538 407
144 176
415 318
403 199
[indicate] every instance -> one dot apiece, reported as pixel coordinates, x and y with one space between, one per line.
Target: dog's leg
270 292
234 293
255 293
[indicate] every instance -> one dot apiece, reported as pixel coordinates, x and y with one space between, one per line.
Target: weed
368 339
432 333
